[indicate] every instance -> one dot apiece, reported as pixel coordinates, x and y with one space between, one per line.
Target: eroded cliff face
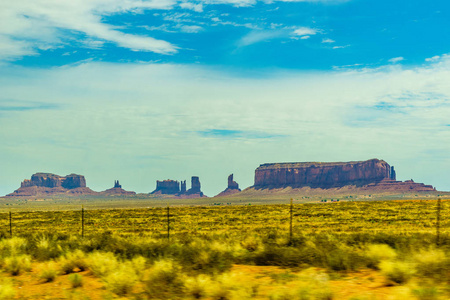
167 187
49 180
172 187
48 184
232 188
321 175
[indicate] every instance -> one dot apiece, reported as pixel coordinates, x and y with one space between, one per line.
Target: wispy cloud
329 41
191 28
27 26
237 134
341 47
20 105
433 59
257 36
304 31
395 60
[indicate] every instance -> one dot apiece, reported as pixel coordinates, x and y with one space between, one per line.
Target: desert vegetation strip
353 250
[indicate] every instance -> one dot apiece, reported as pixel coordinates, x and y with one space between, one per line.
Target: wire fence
291 219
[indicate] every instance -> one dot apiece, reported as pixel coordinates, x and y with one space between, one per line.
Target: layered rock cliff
47 184
167 187
321 175
49 180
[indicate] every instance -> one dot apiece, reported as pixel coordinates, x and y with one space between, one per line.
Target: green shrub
163 279
13 246
75 279
102 263
251 243
432 263
197 287
378 252
46 248
312 285
121 281
139 265
397 271
426 293
17 264
232 286
49 272
73 261
204 256
7 290
343 258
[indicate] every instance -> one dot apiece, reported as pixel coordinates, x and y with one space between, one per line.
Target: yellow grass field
340 250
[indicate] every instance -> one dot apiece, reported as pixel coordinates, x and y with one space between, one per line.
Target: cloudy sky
141 90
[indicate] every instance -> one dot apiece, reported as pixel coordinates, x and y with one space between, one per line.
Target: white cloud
195 7
305 31
305 37
26 26
257 36
237 3
341 116
191 28
433 59
329 41
341 47
395 60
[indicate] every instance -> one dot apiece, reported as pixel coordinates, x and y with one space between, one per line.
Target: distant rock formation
389 185
172 187
393 176
233 185
321 175
232 188
117 184
117 190
49 180
195 187
167 187
47 183
183 187
371 174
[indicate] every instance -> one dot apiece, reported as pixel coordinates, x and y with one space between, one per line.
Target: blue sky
148 90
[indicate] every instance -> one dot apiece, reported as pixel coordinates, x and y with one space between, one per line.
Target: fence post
82 221
10 223
168 222
438 221
290 223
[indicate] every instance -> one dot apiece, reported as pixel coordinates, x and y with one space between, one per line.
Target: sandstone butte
73 184
232 188
172 187
117 190
47 183
371 176
374 174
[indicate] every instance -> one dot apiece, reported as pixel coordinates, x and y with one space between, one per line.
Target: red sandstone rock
172 187
117 190
195 187
167 187
321 175
232 188
49 180
375 176
47 184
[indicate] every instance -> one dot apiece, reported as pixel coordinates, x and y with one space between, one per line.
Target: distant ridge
372 174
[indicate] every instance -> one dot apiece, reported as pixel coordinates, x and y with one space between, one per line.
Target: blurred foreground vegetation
129 253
